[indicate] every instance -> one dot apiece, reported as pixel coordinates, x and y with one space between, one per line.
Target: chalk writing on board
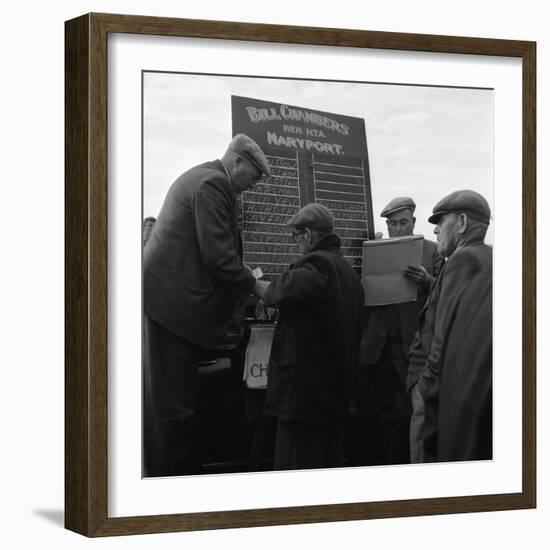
282 162
333 204
275 248
268 199
269 208
314 157
265 227
272 189
266 217
277 238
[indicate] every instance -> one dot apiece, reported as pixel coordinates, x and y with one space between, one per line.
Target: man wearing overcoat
193 276
453 349
315 347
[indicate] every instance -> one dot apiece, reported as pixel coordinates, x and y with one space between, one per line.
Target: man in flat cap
384 403
453 349
193 276
315 347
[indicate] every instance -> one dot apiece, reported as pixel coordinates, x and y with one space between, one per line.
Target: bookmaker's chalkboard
314 157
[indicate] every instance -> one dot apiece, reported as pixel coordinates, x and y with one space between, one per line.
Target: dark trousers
385 408
170 395
308 445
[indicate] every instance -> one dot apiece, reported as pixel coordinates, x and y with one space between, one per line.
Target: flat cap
467 201
246 147
399 203
314 216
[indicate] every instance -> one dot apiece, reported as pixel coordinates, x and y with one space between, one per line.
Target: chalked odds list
314 157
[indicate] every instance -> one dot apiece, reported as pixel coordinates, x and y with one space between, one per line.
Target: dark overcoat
316 342
455 329
192 270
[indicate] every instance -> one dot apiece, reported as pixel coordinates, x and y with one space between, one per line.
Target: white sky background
423 142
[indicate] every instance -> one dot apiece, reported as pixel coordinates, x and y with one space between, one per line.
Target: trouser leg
399 440
417 420
308 445
382 387
170 392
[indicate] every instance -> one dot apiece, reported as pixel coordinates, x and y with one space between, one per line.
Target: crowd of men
419 373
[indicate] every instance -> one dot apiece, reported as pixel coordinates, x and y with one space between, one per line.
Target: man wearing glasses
315 347
193 275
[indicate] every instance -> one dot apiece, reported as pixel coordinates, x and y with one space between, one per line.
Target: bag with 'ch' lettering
256 359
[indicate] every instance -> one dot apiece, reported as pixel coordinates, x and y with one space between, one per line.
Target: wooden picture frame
86 283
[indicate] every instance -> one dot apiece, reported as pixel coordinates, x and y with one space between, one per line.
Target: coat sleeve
213 218
296 287
454 279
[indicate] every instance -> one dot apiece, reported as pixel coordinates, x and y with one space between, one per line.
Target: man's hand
257 272
419 275
260 288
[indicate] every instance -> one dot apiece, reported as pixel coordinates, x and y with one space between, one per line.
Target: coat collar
328 242
229 185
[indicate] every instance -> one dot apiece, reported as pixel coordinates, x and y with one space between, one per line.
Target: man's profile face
400 223
447 234
302 237
244 175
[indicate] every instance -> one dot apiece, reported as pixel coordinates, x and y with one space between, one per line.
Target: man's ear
237 161
462 223
414 220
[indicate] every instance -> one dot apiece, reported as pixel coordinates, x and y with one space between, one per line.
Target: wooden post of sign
305 178
368 192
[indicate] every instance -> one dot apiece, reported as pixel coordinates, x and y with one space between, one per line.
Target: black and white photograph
274 275
317 273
